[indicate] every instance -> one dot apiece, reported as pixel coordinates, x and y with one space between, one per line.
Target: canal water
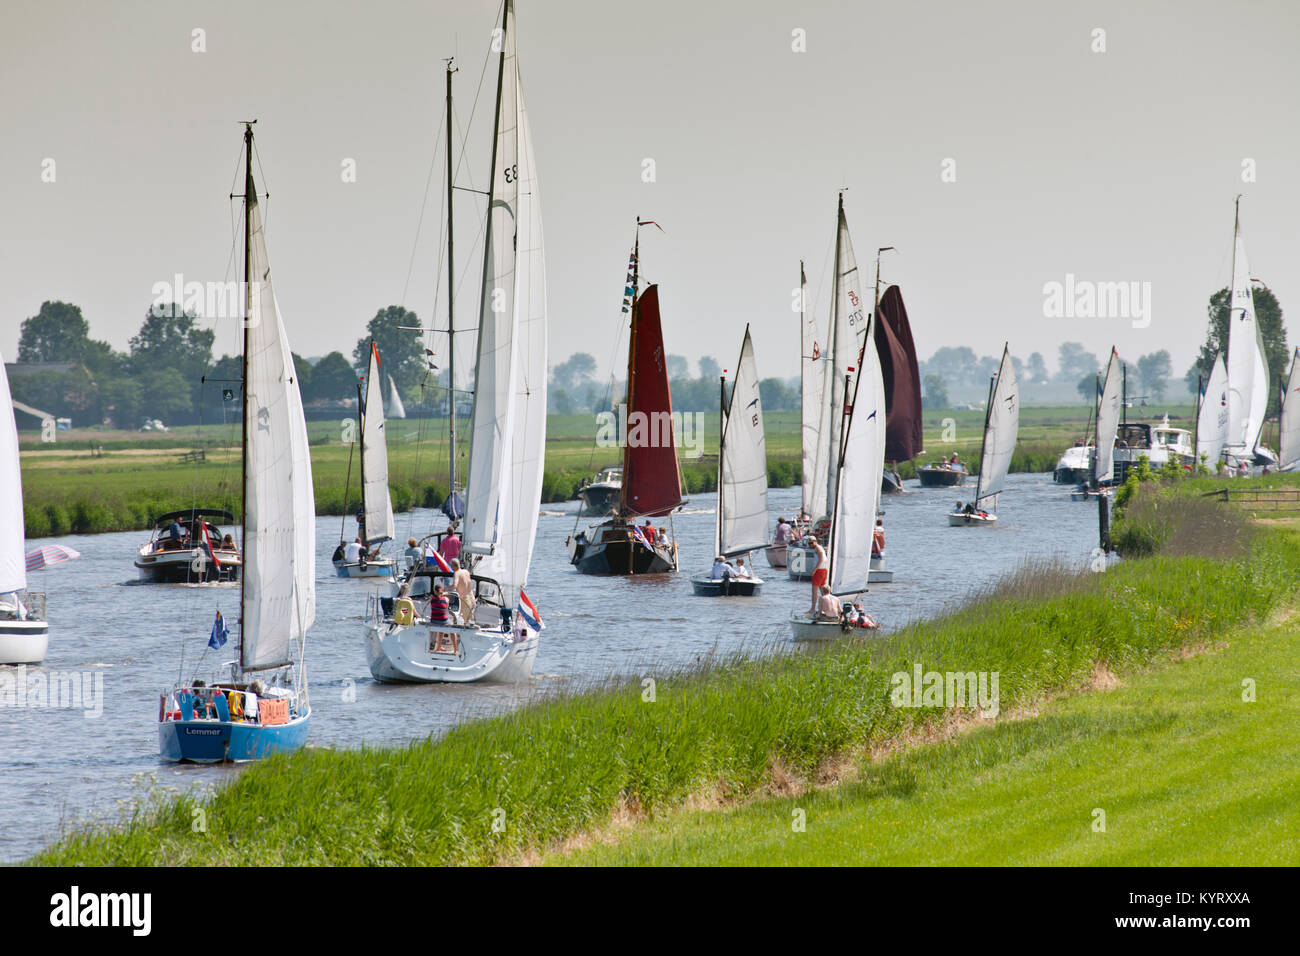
61 767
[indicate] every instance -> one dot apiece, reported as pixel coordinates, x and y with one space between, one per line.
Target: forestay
742 524
279 576
1000 431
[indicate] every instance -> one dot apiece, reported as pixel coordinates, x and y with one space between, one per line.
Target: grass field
92 480
1185 771
562 769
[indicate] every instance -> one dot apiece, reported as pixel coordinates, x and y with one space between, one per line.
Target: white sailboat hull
411 654
804 628
23 642
960 520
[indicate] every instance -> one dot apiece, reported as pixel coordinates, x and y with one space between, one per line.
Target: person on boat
339 551
361 523
1243 469
954 463
438 608
819 573
175 534
352 553
649 531
413 554
828 605
449 546
721 569
878 539
741 571
970 508
862 618
464 587
783 532
228 543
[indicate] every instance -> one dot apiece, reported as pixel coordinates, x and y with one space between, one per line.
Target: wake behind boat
237 718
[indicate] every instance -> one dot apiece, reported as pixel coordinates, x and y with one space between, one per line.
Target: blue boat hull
216 741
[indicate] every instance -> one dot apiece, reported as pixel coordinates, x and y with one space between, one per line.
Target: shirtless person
464 587
818 575
828 607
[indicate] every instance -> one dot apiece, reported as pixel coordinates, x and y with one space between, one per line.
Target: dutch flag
640 536
441 562
529 613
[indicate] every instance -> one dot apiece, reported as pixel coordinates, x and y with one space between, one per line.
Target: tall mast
451 298
361 422
248 307
722 445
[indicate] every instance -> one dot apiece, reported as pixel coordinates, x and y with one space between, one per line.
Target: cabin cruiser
945 474
1158 444
1075 464
600 495
188 548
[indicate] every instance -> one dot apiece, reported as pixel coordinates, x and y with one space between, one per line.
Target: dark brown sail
902 378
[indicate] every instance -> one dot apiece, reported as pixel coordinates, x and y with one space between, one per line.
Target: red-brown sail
902 378
652 482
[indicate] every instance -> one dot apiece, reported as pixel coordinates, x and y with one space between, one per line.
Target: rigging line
419 225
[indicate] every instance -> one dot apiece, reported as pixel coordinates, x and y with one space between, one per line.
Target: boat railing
35 605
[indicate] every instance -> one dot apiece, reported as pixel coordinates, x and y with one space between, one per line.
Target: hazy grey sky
1114 166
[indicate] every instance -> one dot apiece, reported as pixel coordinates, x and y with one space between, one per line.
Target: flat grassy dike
91 481
557 775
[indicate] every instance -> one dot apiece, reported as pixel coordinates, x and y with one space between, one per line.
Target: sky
994 145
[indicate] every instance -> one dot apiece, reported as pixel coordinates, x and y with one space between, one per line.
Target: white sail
1288 452
510 392
395 407
375 499
858 488
811 383
1000 430
1247 395
13 564
1108 411
1212 422
279 590
848 322
742 495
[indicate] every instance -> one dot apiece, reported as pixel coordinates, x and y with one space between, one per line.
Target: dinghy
24 633
1212 417
408 637
396 410
853 483
740 524
1001 421
1101 464
261 707
376 503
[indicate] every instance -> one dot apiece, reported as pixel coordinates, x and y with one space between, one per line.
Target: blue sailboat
261 706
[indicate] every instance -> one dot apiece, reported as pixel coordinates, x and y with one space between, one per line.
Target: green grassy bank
499 789
93 481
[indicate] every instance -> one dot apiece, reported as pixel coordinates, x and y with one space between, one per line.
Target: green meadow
1183 768
94 480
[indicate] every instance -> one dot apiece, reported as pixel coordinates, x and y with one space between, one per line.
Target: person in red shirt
649 532
878 539
438 613
449 547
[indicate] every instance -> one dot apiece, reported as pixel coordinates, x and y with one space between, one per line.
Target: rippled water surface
58 768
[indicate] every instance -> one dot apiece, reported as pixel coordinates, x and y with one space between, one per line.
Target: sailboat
396 409
376 502
740 525
1212 417
24 633
1001 422
241 718
902 382
1101 466
1288 445
857 431
652 479
1248 379
495 635
811 376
